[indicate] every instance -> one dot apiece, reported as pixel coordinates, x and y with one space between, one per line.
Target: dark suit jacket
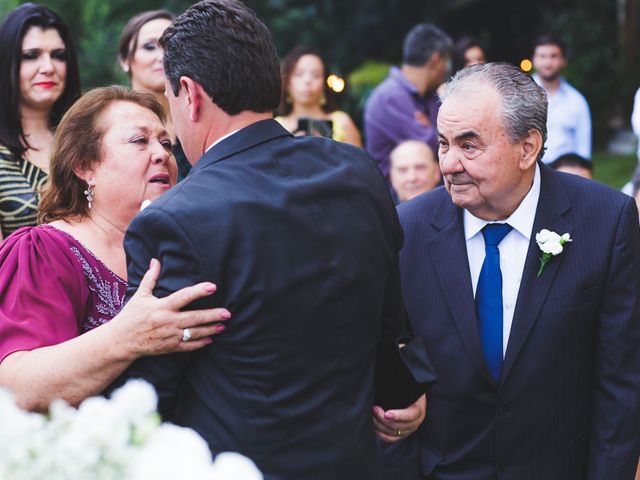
568 403
302 239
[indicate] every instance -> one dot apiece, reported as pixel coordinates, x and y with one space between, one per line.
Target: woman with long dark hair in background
39 81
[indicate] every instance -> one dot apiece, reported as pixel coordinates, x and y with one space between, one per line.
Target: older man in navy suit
534 335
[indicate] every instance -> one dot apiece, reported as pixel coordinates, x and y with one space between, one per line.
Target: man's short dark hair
550 39
422 42
223 46
572 160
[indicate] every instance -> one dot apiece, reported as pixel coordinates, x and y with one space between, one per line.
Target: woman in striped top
39 81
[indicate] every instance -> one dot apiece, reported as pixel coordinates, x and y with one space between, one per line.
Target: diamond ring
186 335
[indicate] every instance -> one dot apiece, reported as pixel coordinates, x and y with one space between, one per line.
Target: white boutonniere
551 245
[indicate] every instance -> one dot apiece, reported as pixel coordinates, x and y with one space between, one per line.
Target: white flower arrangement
119 438
551 244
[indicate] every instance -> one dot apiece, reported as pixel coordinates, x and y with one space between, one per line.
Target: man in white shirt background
569 119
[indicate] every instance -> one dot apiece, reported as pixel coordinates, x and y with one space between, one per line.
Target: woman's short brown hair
77 147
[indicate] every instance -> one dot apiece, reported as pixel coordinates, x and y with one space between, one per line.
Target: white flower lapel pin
551 244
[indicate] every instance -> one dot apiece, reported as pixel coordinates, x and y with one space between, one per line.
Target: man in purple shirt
405 106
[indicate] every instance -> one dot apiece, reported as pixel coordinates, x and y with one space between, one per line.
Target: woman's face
43 68
306 84
145 63
136 163
473 56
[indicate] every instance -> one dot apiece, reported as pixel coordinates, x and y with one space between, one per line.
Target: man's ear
435 58
194 95
531 146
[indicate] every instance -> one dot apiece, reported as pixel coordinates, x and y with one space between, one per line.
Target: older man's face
482 170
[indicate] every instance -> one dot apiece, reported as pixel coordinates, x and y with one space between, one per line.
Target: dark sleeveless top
20 184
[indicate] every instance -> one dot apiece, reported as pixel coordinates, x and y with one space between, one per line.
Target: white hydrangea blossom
116 439
233 466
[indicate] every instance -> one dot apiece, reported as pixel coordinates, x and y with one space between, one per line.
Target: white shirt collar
521 220
220 139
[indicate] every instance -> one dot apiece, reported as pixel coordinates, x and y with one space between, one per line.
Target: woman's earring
323 100
89 194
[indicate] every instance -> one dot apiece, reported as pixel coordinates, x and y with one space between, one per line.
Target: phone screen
312 126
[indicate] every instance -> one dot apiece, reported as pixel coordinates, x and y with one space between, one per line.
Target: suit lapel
552 206
449 255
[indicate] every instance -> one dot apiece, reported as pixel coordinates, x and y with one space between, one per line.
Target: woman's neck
101 237
35 127
312 111
110 230
35 122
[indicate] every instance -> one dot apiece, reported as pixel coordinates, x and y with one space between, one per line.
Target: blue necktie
489 297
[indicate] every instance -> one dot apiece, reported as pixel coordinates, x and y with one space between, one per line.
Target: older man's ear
531 146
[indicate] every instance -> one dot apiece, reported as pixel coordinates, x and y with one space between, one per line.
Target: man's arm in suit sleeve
615 434
155 234
402 374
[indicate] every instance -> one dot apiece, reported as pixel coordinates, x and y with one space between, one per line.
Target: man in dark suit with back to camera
523 284
302 239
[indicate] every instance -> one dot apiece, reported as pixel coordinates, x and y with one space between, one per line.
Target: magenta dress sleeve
43 292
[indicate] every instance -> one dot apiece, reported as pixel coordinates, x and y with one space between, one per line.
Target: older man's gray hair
524 102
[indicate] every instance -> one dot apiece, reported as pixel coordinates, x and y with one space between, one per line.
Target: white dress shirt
513 251
220 139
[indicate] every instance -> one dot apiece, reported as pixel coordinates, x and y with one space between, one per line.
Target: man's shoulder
388 89
423 208
586 195
573 94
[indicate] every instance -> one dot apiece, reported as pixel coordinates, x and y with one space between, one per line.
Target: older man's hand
394 425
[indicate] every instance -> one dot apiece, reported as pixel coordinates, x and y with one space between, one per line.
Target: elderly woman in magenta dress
64 329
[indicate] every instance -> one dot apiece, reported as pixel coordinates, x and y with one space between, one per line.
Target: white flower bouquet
103 439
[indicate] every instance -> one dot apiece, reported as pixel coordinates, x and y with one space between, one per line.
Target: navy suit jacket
568 403
302 239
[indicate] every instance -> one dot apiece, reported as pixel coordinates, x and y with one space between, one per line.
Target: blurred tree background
360 38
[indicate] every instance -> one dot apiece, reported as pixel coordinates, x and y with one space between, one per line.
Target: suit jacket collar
449 255
244 139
